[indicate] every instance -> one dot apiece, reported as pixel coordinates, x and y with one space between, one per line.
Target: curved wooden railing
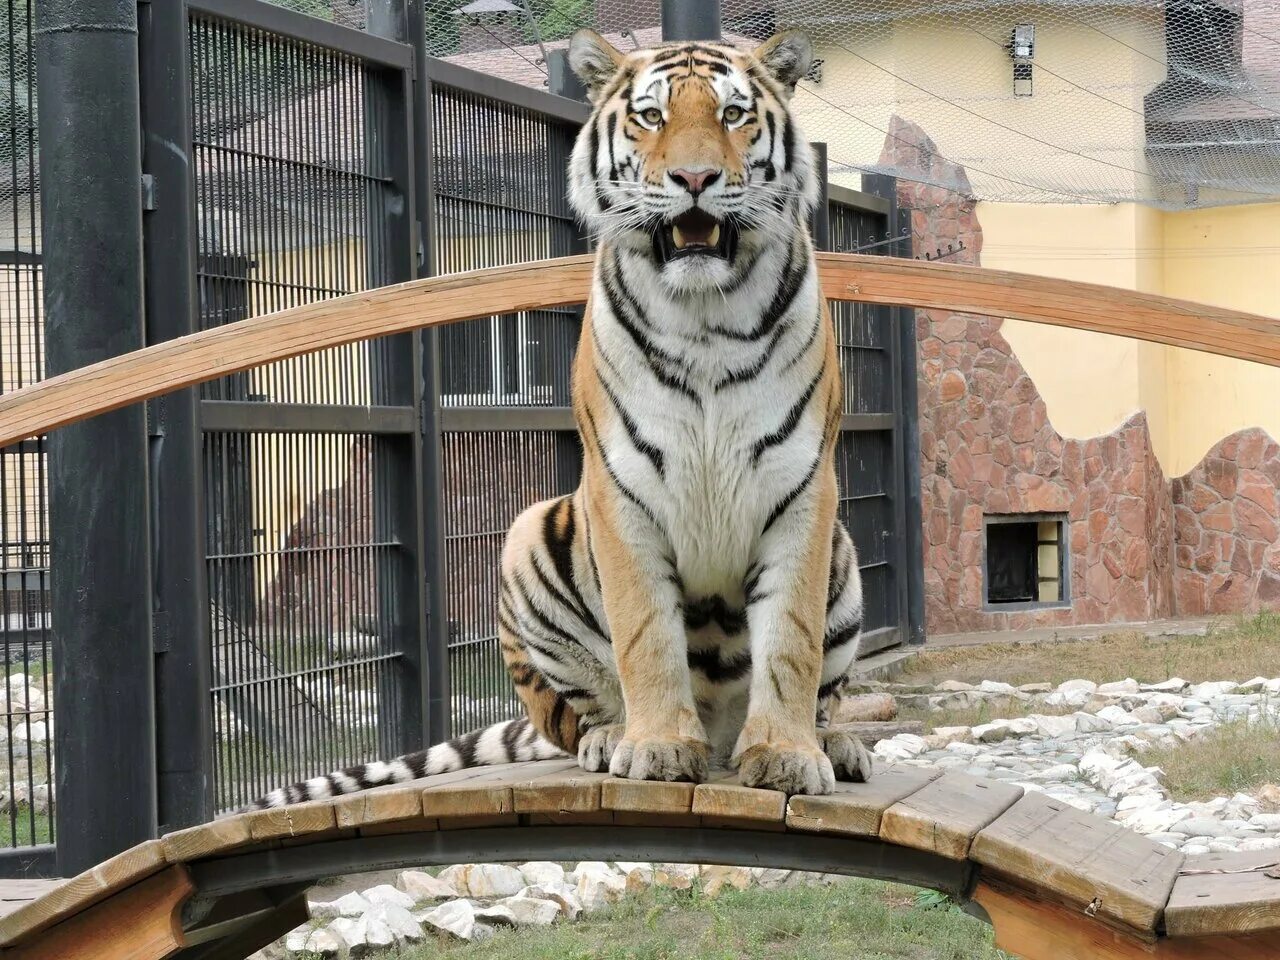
210 354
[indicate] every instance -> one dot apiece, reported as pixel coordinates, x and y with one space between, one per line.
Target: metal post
184 721
398 459
909 418
691 20
561 80
91 215
821 223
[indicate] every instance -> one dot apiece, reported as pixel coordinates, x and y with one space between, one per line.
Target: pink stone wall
987 447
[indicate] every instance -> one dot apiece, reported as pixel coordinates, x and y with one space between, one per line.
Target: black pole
821 220
561 80
91 215
184 714
691 20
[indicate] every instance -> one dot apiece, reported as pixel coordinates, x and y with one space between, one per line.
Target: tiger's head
692 156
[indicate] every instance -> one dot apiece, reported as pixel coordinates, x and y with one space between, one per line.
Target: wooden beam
140 923
210 354
1039 930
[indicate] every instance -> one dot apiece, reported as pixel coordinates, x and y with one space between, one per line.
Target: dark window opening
1025 560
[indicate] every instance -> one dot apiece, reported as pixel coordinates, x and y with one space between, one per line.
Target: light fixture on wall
1022 49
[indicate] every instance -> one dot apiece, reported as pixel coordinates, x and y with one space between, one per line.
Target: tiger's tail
506 742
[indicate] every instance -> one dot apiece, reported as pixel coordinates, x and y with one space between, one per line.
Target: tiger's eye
652 116
732 114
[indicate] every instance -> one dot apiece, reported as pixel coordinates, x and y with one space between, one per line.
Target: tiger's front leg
778 747
664 738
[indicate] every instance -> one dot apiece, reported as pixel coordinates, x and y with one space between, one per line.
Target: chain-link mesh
1174 104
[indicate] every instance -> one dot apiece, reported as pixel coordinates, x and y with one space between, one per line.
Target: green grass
1231 758
1238 649
851 919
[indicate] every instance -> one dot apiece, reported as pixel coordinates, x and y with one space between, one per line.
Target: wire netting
1174 104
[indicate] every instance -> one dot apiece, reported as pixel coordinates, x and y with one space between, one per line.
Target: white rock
1192 849
1088 723
964 749
562 894
296 940
1212 689
1256 685
1059 772
1117 716
597 891
1128 685
594 868
457 917
498 915
949 735
677 876
904 746
995 686
494 880
351 905
387 895
715 879
1077 686
542 871
361 933
456 877
1172 685
421 886
953 686
1052 727
1203 827
531 911
1260 843
770 877
320 942
991 732
1267 821
399 921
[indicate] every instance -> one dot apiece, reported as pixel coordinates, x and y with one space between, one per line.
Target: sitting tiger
695 602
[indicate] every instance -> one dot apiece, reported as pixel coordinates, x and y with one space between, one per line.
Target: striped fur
695 601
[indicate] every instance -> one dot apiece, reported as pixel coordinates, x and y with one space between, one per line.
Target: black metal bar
691 20
298 26
90 173
483 85
431 478
483 419
908 398
820 222
29 862
749 848
398 462
561 80
858 200
248 416
180 608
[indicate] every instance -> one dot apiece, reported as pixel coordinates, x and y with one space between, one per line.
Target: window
1026 561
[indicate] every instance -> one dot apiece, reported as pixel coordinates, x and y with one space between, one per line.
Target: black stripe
834 641
617 481
794 273
790 498
650 351
716 670
704 610
560 549
788 142
466 747
746 374
557 715
789 423
509 736
654 454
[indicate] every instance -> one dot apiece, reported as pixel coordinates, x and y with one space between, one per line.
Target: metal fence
26 700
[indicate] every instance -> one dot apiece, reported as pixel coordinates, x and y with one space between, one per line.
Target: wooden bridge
1056 883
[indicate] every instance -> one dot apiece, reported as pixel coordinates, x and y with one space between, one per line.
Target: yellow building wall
1225 256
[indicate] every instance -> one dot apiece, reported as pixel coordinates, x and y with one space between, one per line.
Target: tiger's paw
597 746
849 758
654 758
790 768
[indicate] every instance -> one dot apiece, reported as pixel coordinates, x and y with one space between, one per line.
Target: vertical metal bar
184 731
690 20
90 172
398 461
907 422
431 479
821 221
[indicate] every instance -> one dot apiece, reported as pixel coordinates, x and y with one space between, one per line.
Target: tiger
695 603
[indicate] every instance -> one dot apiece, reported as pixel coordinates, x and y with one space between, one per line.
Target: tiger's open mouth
695 233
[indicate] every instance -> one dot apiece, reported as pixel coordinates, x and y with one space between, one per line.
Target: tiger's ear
787 56
594 59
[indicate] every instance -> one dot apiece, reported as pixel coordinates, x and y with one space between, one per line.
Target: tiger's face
691 156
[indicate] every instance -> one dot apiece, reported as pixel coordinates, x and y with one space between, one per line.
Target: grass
1232 758
852 918
1238 650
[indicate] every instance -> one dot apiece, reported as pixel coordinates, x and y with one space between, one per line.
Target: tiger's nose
695 181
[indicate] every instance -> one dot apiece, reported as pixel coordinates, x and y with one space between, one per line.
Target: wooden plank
138 923
646 796
17 893
257 934
947 814
1219 893
1046 844
564 791
217 352
486 793
726 799
382 805
855 809
207 839
295 820
80 892
1040 930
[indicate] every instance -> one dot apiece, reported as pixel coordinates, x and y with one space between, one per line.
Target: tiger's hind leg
550 627
849 757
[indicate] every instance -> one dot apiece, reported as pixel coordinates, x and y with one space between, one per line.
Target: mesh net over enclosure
1174 104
